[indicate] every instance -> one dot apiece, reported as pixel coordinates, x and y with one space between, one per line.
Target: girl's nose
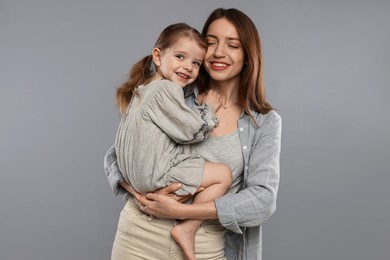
188 66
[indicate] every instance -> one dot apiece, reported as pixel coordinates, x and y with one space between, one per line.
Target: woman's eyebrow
233 38
229 38
211 36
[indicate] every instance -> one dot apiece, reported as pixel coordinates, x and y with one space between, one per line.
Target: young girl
155 119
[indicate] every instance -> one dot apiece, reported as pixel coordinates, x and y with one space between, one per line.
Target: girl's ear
156 54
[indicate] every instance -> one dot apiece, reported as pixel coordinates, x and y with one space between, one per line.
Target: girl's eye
180 56
197 64
210 43
234 46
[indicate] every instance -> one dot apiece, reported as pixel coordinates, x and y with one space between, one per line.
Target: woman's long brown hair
251 86
143 71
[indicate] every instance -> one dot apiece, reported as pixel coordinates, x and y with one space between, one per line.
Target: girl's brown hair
251 88
143 71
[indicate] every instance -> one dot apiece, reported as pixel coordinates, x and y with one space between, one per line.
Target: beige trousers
140 236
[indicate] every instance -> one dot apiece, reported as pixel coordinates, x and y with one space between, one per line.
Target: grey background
327 67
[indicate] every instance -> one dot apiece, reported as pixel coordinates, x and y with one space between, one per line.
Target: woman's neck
227 89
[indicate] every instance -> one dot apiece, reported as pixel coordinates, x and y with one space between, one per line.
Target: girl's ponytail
140 73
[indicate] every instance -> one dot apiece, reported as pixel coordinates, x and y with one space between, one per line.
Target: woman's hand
170 189
131 190
163 203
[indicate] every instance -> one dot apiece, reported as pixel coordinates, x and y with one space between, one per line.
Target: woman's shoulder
267 124
272 117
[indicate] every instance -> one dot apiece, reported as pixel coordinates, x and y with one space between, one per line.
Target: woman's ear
156 54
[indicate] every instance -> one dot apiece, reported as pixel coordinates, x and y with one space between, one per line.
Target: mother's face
224 58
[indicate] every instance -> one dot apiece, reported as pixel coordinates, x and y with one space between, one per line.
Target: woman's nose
219 51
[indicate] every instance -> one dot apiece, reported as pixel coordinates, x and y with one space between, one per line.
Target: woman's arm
120 186
162 206
114 176
254 204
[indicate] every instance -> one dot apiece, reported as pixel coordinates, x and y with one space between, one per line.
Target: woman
247 139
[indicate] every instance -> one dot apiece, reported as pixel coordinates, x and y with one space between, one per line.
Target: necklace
226 107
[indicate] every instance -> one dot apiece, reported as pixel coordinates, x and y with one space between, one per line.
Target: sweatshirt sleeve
183 124
111 169
254 204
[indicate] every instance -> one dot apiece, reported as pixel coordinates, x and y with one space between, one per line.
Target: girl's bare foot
185 237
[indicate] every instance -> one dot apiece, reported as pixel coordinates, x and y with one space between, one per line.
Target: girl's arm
170 113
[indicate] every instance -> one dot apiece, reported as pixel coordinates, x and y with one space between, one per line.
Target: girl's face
224 58
181 62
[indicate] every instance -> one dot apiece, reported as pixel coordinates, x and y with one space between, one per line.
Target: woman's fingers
130 189
143 200
168 189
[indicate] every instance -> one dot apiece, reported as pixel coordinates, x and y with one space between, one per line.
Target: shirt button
241 129
244 147
246 167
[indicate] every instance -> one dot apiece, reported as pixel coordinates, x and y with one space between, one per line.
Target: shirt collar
191 89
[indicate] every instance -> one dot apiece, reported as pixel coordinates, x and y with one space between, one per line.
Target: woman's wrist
206 210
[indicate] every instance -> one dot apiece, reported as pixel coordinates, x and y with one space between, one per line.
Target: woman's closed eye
233 46
210 43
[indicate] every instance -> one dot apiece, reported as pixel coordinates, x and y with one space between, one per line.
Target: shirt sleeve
111 169
183 124
254 204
